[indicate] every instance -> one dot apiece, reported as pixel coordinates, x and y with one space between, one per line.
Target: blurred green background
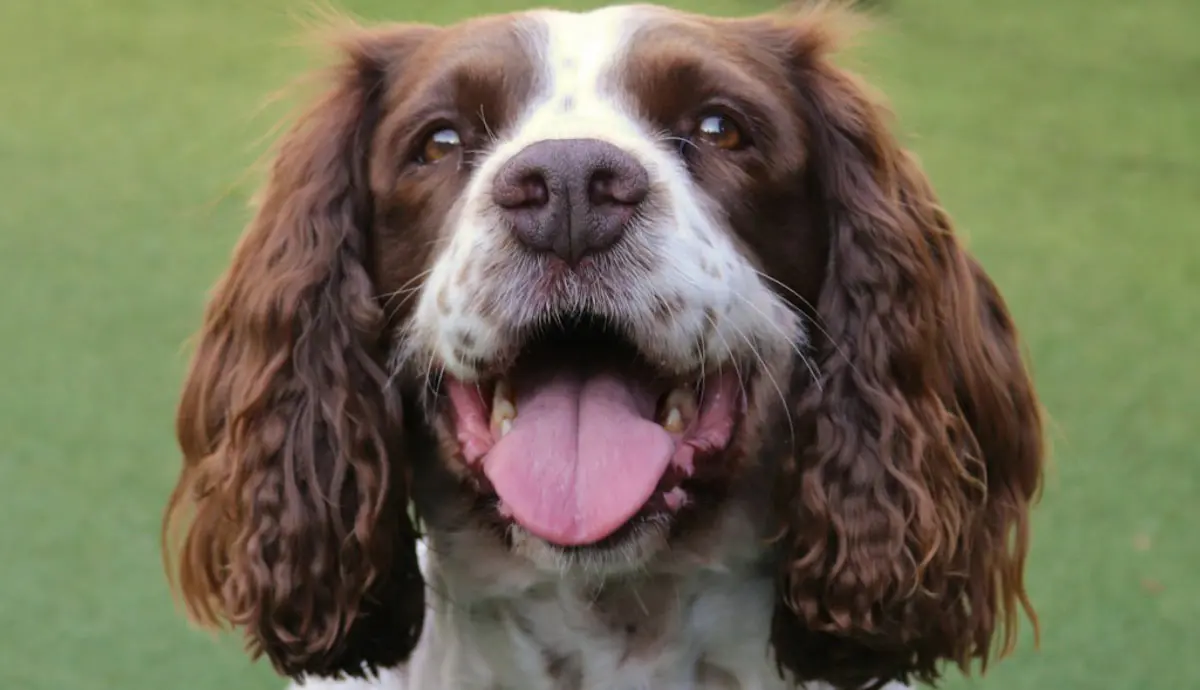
1063 134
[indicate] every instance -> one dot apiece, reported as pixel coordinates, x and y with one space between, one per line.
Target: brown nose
573 197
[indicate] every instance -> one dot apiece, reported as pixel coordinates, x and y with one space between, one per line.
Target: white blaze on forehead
579 55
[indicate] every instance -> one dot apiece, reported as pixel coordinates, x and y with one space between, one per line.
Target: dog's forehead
585 44
578 54
592 50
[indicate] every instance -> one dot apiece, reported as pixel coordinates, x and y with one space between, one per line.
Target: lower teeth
675 499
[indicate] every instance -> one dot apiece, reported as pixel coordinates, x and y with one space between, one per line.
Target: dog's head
576 275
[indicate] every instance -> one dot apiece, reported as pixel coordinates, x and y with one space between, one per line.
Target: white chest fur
706 630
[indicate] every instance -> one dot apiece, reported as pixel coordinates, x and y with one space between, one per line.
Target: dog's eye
438 145
720 131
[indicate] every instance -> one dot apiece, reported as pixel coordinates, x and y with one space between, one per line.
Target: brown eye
440 144
719 131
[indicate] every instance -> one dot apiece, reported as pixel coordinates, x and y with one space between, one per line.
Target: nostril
625 188
600 188
525 191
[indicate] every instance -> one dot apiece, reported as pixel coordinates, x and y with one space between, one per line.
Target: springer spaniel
656 331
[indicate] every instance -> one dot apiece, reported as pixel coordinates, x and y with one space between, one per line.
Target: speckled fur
697 619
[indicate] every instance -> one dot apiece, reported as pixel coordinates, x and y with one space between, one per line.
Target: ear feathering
907 493
291 505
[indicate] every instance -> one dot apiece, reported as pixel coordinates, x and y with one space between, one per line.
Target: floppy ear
293 494
919 449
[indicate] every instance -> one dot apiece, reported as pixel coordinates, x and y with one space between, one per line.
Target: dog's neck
698 617
695 618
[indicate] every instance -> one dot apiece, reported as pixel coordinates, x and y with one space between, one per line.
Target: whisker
429 373
815 319
486 128
681 140
808 363
791 291
407 288
771 377
401 353
392 309
441 376
732 357
816 314
762 362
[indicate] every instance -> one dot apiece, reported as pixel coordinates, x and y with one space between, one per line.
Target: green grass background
1063 134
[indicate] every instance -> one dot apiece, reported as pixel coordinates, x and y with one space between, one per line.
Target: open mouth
581 435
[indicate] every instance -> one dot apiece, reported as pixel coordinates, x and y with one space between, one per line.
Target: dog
618 349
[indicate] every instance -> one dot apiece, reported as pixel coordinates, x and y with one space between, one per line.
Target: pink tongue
583 457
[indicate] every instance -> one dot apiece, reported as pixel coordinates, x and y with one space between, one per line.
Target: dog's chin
632 550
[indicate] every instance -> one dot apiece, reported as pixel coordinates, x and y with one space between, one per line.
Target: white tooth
503 409
503 391
684 399
674 421
676 498
681 410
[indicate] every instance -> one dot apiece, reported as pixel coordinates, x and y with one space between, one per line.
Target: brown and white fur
865 520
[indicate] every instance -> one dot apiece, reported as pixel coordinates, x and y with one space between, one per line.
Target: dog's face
588 317
566 281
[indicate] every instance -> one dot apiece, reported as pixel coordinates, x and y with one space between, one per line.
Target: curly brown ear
292 499
919 449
